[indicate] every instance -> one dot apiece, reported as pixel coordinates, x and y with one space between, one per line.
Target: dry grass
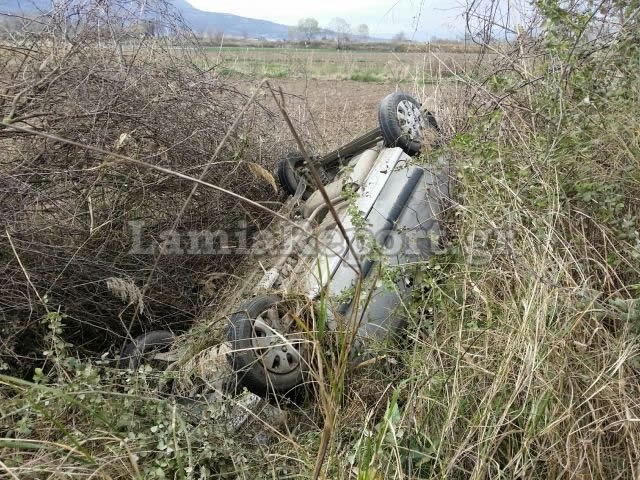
67 209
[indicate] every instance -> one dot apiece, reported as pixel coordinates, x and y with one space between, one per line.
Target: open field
330 64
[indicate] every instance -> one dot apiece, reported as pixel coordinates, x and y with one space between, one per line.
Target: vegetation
521 352
69 212
329 64
362 31
338 30
307 28
342 31
529 364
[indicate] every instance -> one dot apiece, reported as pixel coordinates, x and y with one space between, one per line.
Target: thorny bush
126 79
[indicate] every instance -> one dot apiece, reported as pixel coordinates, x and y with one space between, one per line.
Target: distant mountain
24 6
233 25
199 20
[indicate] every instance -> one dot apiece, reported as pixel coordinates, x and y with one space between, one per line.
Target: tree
342 31
363 31
294 34
218 36
308 28
399 37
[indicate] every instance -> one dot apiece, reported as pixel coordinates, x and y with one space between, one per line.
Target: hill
233 25
199 20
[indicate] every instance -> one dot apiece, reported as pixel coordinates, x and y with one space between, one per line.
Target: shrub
97 79
525 361
521 353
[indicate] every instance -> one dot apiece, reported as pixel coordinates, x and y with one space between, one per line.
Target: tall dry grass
132 82
523 356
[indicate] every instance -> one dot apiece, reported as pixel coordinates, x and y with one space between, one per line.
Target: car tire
135 351
401 122
252 364
287 175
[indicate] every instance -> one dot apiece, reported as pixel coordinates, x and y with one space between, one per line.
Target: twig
24 270
316 178
8 470
217 151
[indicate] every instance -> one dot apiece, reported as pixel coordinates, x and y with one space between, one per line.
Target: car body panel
400 202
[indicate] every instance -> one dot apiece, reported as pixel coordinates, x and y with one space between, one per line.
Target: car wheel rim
273 343
410 120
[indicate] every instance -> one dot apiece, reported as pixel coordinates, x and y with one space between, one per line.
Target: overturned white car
319 265
377 207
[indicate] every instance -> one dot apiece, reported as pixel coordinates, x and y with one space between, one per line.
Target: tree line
308 29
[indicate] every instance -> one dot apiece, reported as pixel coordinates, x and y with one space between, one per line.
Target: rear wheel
267 350
287 172
403 123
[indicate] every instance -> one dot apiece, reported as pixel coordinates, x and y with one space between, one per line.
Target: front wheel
267 350
291 170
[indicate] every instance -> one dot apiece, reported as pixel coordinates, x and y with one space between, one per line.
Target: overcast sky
420 19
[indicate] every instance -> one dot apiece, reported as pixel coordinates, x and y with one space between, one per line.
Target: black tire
288 176
394 130
289 172
247 360
142 345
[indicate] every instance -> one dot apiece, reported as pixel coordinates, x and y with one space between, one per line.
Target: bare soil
331 113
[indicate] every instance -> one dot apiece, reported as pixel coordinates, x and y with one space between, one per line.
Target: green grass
322 64
224 49
275 70
358 76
